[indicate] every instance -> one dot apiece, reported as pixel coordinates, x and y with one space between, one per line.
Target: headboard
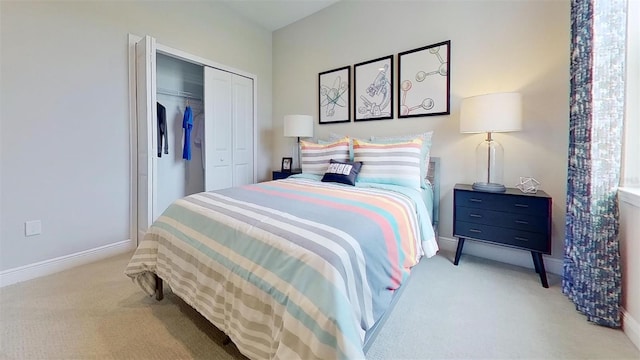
433 175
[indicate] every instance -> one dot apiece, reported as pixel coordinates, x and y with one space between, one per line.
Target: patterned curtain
591 274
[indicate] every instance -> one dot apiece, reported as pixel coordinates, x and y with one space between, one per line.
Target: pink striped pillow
394 163
315 157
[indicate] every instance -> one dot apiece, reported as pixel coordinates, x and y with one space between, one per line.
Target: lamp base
488 187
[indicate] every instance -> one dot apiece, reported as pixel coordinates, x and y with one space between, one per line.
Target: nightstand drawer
510 220
503 202
504 236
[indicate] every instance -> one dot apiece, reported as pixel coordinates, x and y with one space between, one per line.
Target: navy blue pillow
342 172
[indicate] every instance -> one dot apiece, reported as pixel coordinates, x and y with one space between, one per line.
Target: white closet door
218 140
243 140
146 120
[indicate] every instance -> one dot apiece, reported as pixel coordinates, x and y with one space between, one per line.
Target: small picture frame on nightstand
286 164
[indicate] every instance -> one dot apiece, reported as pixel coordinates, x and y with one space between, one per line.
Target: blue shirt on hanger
187 125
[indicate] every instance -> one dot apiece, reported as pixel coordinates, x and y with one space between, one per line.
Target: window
631 160
631 151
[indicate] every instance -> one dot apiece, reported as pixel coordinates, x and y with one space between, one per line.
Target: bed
294 268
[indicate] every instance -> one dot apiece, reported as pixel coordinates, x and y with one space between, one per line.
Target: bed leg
159 292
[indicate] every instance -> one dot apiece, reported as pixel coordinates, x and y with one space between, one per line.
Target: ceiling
275 14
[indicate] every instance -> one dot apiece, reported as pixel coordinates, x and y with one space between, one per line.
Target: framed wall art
373 89
334 96
423 81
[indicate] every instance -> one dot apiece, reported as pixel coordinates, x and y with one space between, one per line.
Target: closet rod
183 94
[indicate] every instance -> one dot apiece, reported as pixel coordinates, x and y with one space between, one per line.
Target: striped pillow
315 157
394 163
426 150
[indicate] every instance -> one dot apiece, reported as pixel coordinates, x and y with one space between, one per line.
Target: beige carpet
480 309
96 312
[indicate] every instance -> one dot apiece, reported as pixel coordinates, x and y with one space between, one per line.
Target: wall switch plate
33 227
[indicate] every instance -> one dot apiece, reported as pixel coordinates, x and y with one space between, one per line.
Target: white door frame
133 129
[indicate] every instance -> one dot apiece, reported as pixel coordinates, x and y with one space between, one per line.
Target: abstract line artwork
424 81
373 89
334 97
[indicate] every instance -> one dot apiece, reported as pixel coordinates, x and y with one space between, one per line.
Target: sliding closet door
229 133
243 141
218 140
146 118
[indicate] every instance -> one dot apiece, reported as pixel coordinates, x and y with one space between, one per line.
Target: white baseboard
48 267
499 253
631 328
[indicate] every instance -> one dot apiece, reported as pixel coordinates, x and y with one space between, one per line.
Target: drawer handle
523 222
521 238
475 216
521 205
475 231
475 200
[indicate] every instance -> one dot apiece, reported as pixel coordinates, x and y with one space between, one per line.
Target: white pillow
333 137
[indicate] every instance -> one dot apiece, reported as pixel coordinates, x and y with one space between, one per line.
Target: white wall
495 46
629 255
64 141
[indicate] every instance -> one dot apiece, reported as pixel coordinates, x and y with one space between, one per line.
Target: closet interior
179 84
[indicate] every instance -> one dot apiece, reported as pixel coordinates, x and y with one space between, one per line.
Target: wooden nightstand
511 218
277 175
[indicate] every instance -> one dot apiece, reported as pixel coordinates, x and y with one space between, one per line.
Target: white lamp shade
498 112
298 126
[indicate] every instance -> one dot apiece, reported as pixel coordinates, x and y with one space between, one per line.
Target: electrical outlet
33 227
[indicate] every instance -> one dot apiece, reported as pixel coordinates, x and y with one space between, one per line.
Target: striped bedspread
289 269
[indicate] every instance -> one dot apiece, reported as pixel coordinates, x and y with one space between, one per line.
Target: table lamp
497 112
298 126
